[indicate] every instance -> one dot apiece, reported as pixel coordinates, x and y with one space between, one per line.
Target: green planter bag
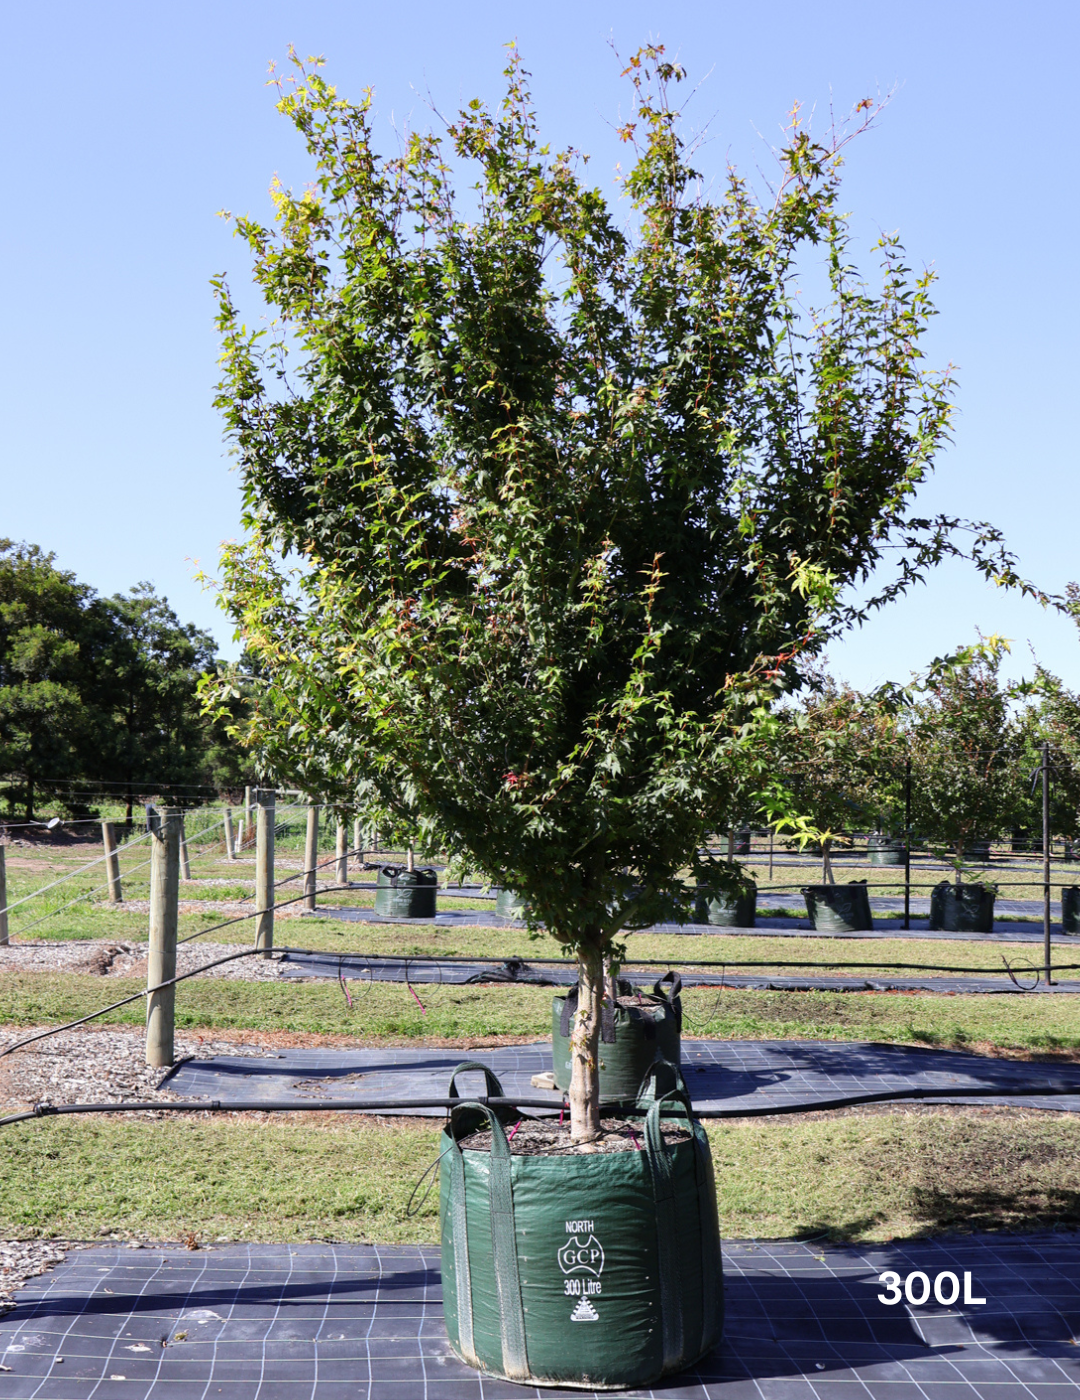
1070 909
839 908
509 905
886 850
969 909
597 1272
631 1037
405 894
724 910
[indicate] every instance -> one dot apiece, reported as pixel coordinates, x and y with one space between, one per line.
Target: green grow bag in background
1070 909
969 909
598 1272
886 850
405 894
509 905
724 910
839 908
631 1037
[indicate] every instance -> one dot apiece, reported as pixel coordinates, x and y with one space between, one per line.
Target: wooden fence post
341 853
161 960
185 863
264 870
311 854
230 839
3 899
112 863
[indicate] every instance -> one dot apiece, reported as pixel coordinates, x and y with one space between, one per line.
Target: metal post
311 854
185 863
230 839
112 863
245 835
264 869
907 845
341 854
1046 859
3 899
161 958
772 837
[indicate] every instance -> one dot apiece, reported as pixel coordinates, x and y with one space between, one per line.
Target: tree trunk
585 1047
826 865
29 797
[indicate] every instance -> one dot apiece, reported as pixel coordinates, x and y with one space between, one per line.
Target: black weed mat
721 1074
364 1322
1006 929
353 967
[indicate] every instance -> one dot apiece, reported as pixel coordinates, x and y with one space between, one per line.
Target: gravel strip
96 1065
112 958
23 1259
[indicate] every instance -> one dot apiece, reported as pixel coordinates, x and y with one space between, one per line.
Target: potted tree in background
545 507
968 778
837 752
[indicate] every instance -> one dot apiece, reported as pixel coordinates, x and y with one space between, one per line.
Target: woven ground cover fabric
357 968
720 1074
1006 929
364 1322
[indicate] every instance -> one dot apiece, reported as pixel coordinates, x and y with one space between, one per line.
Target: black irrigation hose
1053 1089
693 963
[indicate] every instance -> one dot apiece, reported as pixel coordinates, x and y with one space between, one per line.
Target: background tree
158 739
545 505
967 753
1051 714
51 637
102 692
840 753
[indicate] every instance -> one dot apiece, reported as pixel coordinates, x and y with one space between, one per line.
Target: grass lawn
857 1176
390 1012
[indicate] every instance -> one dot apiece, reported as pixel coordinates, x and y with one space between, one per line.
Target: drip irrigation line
243 918
1052 1089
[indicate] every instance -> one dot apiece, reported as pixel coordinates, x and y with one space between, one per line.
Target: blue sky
129 126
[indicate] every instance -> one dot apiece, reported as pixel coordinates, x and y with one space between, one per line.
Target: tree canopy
100 693
546 500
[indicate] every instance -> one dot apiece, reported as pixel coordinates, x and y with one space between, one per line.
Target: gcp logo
582 1257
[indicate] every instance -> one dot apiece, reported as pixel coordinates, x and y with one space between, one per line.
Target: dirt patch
112 958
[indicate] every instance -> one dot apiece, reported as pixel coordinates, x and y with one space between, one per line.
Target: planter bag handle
671 994
623 988
667 1237
503 1245
662 1080
491 1083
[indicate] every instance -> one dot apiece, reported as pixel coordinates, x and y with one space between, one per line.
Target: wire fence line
201 838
